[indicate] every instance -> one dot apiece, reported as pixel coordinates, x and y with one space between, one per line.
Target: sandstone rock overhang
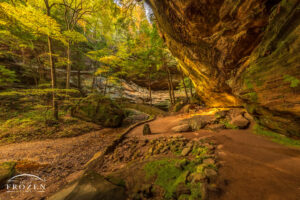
239 53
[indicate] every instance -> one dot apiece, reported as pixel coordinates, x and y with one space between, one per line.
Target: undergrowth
276 137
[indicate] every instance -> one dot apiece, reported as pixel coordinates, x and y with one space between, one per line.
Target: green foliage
227 124
276 137
293 80
168 176
6 76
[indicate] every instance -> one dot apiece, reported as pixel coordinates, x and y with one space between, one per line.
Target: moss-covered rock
100 110
7 170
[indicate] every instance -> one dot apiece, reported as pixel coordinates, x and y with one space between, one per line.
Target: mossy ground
276 137
171 173
37 123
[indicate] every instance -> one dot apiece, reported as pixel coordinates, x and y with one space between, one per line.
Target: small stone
146 130
210 173
186 151
197 177
181 128
208 161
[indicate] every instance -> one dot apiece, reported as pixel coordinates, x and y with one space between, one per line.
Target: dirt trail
252 166
59 159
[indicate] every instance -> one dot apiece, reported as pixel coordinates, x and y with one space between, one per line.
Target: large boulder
199 121
100 110
91 186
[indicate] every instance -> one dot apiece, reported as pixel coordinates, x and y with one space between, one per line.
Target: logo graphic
26 183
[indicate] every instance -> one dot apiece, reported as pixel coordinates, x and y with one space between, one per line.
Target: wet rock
146 130
181 128
90 186
240 122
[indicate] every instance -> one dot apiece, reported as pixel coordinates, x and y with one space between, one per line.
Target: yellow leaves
102 70
74 36
33 20
110 60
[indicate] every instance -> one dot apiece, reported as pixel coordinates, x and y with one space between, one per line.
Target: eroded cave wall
239 53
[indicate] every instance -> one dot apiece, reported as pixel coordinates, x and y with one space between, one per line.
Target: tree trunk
171 84
105 85
191 88
150 92
53 80
78 80
68 66
169 87
185 90
94 78
52 68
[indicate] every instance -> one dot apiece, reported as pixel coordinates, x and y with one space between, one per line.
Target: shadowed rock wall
239 53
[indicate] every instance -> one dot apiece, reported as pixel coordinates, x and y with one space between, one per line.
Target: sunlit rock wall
239 53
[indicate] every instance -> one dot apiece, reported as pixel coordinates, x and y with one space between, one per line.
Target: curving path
251 166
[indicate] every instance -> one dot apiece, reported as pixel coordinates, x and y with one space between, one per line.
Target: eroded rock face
239 53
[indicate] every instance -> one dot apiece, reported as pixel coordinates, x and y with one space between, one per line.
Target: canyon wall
239 53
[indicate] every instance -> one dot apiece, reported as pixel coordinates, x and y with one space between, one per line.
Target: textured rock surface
181 128
239 53
91 186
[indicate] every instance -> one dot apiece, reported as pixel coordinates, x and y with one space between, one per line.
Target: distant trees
117 42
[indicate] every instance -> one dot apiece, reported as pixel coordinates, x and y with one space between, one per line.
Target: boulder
7 170
147 130
91 186
200 121
240 122
100 110
181 128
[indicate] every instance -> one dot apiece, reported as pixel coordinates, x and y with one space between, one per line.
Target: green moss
248 84
278 138
294 82
168 175
228 125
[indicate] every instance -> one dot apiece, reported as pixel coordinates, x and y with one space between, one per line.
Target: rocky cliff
239 53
